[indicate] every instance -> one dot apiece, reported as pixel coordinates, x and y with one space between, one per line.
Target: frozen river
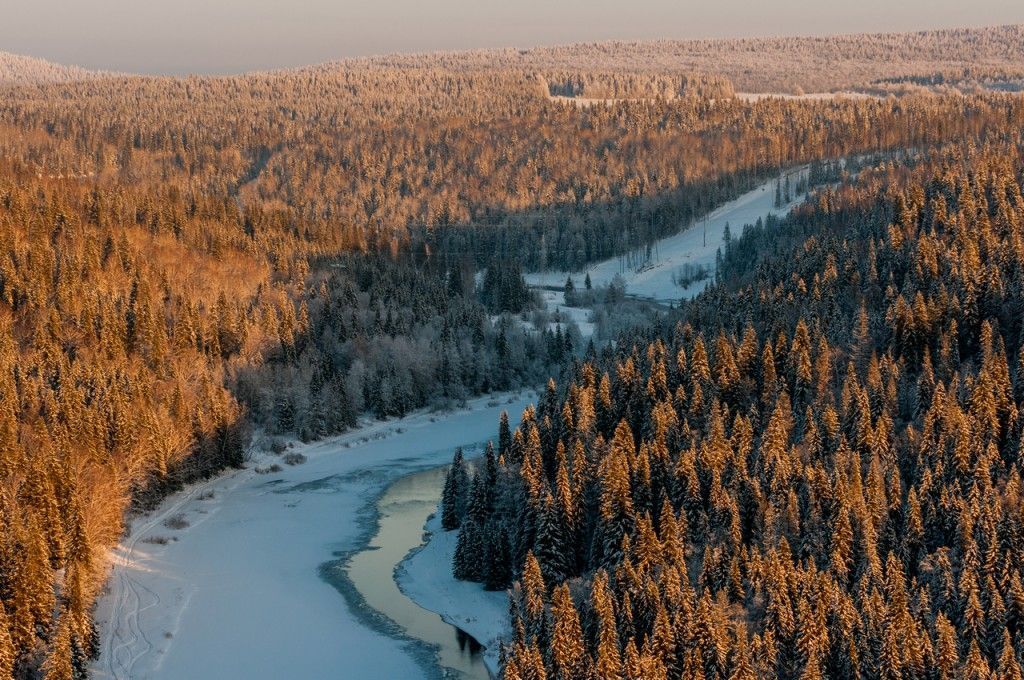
224 579
403 510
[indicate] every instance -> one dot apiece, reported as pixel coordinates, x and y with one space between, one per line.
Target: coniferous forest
812 469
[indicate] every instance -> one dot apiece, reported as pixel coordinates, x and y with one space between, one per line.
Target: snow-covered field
235 592
695 246
655 281
554 301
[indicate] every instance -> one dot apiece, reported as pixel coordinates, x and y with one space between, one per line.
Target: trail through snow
127 642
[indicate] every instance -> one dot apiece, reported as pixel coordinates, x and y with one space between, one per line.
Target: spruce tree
498 558
534 599
284 411
469 559
58 665
490 473
466 563
504 436
616 504
7 651
947 659
569 660
741 665
609 660
1008 667
456 488
975 667
551 547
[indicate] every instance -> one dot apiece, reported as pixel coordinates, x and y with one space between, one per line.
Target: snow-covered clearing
587 102
554 302
748 97
695 246
236 591
561 316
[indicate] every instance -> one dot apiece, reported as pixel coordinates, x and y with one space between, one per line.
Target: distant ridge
880 63
814 63
17 69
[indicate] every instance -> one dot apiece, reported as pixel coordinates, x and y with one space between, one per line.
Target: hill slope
768 64
21 70
982 58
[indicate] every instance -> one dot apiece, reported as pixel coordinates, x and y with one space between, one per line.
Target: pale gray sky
229 36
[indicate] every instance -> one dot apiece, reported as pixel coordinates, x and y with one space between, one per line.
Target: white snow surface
751 97
696 245
426 578
237 592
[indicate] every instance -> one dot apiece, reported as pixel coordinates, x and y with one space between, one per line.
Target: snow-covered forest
814 472
777 342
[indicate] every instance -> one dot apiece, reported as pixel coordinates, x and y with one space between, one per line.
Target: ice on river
426 578
235 591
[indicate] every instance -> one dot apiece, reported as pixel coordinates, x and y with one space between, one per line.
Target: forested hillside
788 64
142 336
185 260
814 473
19 69
481 165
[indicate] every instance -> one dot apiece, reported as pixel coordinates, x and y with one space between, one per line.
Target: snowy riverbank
426 578
222 580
